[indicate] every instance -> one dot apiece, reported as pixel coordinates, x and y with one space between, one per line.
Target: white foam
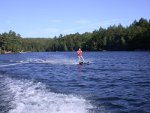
32 97
51 61
13 64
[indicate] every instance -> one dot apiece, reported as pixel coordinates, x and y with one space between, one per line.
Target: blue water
53 82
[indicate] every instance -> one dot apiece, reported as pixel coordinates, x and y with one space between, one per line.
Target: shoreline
10 52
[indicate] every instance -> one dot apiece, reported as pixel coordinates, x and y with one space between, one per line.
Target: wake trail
31 97
11 64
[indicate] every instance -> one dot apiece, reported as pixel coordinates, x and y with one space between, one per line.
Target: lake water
53 82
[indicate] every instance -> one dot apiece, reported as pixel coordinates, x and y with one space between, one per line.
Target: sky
49 18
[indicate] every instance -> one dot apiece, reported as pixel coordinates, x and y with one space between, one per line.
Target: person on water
79 54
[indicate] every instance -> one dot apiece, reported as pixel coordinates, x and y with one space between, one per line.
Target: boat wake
12 64
30 97
50 61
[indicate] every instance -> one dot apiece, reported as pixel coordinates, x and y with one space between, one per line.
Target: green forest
136 36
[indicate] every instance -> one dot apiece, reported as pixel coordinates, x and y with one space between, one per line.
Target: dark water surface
52 82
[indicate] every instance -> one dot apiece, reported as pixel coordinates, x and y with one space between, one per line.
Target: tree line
114 38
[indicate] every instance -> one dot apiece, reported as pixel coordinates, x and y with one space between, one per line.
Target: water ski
81 63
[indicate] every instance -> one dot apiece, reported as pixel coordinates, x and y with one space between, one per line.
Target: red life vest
79 53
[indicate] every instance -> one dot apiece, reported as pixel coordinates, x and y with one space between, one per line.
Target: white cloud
83 22
67 31
49 30
80 26
46 32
